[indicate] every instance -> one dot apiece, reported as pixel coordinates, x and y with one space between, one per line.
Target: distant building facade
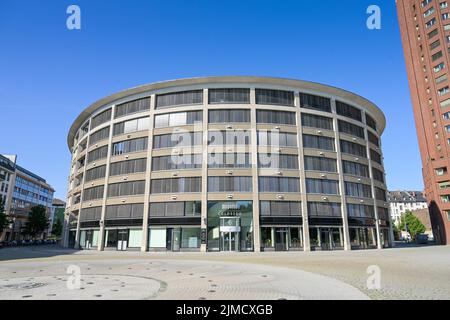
24 189
403 201
424 26
58 208
7 168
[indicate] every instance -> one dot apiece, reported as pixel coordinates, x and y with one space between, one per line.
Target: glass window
95 173
129 146
380 194
320 164
134 238
279 184
355 169
318 142
126 188
373 138
281 161
323 186
190 237
280 208
97 154
135 106
177 162
93 193
134 125
111 238
349 111
375 156
378 175
179 98
229 137
224 116
275 138
277 97
275 117
238 95
176 185
127 167
359 190
371 122
327 209
230 184
229 160
360 211
185 139
315 102
353 148
157 238
100 135
101 118
178 119
314 121
351 129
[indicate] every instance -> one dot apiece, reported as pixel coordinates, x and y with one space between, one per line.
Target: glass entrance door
230 241
230 228
281 239
325 239
122 239
89 239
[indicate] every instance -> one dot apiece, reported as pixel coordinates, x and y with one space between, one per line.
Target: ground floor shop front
230 228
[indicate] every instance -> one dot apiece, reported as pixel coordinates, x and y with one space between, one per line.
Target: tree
57 228
37 221
414 225
397 233
4 221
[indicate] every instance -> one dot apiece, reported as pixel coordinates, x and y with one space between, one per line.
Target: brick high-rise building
425 32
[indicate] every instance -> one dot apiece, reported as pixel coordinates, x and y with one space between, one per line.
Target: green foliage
397 232
37 221
4 221
57 228
414 225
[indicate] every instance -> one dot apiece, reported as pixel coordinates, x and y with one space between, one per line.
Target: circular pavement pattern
165 279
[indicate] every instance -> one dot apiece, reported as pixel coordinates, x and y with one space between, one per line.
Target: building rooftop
406 196
58 202
224 80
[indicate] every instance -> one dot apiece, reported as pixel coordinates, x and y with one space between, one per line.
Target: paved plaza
405 273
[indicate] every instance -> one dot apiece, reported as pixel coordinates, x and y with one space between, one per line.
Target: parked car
422 238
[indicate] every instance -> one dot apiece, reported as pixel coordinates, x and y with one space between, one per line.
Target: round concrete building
228 164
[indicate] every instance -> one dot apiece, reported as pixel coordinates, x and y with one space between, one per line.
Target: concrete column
148 171
301 164
101 233
255 186
319 239
372 185
65 231
347 245
204 197
272 236
77 234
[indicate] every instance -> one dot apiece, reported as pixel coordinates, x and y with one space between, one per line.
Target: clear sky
49 74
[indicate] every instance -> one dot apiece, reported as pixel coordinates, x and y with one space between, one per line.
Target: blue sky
49 74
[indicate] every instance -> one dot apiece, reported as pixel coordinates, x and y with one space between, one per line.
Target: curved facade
228 164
